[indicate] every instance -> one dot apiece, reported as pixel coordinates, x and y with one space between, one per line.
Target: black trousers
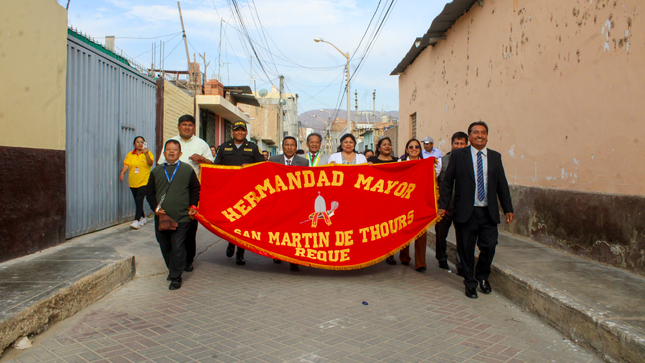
240 251
172 247
191 242
139 195
441 232
480 230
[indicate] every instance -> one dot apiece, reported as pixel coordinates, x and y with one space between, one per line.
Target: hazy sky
284 41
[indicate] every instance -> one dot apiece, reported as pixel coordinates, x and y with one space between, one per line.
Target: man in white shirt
429 149
195 151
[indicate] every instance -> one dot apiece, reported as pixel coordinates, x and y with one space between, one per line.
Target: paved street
262 312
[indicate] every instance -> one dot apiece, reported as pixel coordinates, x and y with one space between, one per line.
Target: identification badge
136 170
228 149
248 149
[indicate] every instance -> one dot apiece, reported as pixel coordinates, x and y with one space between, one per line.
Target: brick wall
176 103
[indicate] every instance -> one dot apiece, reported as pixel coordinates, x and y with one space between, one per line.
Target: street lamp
346 55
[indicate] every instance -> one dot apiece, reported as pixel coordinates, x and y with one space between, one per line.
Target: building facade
560 84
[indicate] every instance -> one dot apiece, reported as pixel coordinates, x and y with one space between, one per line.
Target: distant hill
317 119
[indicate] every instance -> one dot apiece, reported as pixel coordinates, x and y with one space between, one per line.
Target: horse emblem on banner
321 211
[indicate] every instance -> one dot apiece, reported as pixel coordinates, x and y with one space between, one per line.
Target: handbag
166 223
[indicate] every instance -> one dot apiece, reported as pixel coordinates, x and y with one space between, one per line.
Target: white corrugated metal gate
108 104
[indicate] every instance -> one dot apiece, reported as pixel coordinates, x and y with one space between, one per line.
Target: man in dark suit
289 157
478 177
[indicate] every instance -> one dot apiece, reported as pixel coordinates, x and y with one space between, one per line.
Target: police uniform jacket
229 154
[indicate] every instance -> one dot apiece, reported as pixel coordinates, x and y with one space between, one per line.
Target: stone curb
612 340
66 302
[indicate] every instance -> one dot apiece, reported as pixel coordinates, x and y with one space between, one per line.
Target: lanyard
315 161
173 173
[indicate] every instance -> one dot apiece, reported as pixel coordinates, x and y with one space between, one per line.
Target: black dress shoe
276 261
189 267
294 267
240 260
444 265
485 286
230 250
175 284
421 269
390 260
471 293
405 263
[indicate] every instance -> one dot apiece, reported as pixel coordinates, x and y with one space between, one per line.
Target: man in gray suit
289 157
315 157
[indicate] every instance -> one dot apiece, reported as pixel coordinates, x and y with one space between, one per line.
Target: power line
161 36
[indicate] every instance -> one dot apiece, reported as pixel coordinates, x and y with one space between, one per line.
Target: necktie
289 161
481 193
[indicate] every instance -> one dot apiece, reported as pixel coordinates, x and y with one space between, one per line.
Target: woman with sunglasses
413 152
383 152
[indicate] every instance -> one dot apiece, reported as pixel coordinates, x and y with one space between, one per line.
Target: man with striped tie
479 180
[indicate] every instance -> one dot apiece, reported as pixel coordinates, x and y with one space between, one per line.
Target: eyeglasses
414 147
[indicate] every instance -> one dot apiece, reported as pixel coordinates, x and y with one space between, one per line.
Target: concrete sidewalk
597 306
52 285
264 313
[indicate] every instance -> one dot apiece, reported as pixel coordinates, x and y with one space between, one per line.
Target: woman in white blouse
346 153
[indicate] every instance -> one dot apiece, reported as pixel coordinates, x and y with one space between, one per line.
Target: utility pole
183 30
219 57
280 114
374 106
356 102
204 73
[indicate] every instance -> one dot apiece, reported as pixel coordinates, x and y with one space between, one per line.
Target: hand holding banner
334 217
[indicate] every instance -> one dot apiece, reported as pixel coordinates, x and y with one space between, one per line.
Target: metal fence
108 104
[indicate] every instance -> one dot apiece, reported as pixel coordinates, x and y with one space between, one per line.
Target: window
413 125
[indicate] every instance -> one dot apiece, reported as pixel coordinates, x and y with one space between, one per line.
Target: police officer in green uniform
238 152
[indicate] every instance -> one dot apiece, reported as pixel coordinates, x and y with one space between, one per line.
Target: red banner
334 217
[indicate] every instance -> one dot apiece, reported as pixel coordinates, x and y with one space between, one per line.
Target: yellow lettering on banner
300 252
400 189
256 235
274 237
340 238
337 178
362 181
294 180
246 234
264 187
410 216
402 222
375 233
252 198
307 236
348 238
241 207
279 184
385 230
310 180
323 239
315 240
238 231
378 187
364 232
322 256
394 225
322 179
231 215
285 240
311 254
333 256
295 240
408 191
390 185
344 255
